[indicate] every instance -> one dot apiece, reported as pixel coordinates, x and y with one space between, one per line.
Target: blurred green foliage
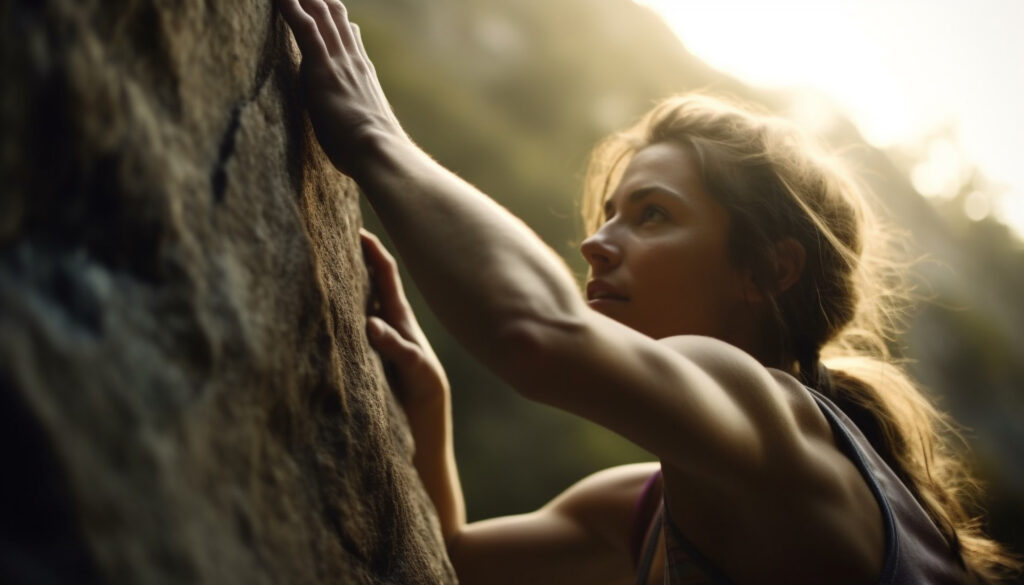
513 95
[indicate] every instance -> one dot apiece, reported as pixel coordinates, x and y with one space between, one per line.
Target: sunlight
943 171
899 69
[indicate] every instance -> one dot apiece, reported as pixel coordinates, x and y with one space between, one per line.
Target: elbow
470 561
452 541
453 546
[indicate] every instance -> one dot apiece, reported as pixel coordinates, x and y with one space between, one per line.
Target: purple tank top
916 552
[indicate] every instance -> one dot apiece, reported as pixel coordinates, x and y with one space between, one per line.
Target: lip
599 290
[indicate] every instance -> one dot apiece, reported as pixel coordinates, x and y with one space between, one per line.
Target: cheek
705 277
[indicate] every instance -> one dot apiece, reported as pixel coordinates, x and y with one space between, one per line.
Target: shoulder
697 403
732 368
793 447
602 503
775 400
803 494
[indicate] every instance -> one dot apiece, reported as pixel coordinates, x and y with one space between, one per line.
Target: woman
725 255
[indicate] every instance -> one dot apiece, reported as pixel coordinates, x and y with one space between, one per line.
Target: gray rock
186 393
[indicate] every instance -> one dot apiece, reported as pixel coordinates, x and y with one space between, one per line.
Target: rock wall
186 394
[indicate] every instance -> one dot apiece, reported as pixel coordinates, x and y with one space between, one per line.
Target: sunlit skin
751 471
660 264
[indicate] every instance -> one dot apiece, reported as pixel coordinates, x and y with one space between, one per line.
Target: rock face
186 394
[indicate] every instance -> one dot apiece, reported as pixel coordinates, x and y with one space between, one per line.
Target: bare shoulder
603 502
733 369
699 404
804 496
772 397
612 484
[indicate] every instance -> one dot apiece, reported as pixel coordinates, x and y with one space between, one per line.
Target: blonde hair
776 184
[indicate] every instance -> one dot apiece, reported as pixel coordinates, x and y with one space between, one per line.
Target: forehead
663 163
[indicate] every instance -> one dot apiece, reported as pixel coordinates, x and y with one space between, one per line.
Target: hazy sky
900 68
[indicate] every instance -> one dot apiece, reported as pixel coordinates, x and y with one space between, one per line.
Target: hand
393 331
345 100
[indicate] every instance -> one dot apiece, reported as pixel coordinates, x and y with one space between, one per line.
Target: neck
767 346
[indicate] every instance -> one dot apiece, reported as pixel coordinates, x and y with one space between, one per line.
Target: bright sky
900 68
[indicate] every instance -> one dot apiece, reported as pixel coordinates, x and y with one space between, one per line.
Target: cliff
186 393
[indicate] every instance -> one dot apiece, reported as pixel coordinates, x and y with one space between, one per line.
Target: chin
615 310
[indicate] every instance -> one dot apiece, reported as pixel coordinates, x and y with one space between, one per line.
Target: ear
790 259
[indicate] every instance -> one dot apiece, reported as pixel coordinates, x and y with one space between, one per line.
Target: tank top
916 552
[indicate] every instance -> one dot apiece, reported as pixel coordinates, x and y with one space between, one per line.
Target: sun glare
900 70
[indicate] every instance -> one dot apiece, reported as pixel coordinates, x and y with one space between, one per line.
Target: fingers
325 24
387 283
339 15
306 30
391 345
359 48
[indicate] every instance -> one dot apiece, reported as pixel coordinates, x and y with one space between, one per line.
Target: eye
653 213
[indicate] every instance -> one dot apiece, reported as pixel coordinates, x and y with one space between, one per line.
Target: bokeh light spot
977 206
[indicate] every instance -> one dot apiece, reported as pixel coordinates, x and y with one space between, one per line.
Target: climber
729 260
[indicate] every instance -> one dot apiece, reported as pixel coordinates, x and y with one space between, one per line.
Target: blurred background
923 98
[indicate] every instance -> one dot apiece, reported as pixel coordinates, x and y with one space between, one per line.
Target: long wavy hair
838 320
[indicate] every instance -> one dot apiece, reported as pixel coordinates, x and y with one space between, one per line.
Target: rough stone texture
186 395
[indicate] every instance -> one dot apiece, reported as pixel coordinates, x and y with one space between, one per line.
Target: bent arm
579 537
419 382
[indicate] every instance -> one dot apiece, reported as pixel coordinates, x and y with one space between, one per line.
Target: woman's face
660 263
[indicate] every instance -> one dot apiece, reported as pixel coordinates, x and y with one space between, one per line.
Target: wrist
369 145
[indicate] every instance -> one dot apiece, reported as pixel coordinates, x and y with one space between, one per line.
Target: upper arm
701 405
579 537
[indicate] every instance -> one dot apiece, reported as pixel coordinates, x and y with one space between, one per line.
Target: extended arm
477 265
502 292
747 445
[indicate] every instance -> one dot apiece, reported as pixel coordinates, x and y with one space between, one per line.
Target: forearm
478 266
435 462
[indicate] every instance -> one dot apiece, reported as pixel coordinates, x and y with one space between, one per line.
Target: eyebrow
644 192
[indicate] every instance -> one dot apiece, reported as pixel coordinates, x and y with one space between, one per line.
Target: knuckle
321 9
306 21
388 259
393 269
410 353
337 7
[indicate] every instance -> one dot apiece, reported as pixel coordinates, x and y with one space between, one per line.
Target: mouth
598 290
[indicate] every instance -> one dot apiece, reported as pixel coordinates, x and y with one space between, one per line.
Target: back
916 552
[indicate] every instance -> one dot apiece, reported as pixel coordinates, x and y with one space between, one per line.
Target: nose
600 252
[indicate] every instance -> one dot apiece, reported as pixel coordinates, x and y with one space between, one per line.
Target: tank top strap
644 512
916 551
643 568
685 564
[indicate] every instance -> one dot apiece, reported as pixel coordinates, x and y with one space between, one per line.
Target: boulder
186 391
